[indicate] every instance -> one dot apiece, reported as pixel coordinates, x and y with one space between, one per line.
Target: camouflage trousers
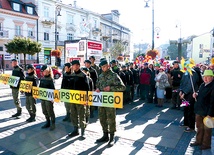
67 107
16 98
48 109
107 118
30 104
78 111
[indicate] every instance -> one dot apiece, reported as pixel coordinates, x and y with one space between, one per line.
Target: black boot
47 124
82 133
32 118
66 117
19 112
104 138
74 133
52 125
111 140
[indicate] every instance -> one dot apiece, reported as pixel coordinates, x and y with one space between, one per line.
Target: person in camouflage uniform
108 81
47 106
18 72
66 85
30 101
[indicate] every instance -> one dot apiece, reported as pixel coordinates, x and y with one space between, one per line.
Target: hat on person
113 61
14 60
44 67
161 68
75 62
157 65
145 64
67 64
208 73
123 66
104 62
101 59
30 67
88 61
85 69
93 57
175 62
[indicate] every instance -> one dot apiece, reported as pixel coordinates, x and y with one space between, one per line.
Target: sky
192 17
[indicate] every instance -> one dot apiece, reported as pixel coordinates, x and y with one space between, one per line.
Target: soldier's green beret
123 66
44 67
102 59
30 67
113 61
88 61
104 62
85 69
67 64
13 60
75 62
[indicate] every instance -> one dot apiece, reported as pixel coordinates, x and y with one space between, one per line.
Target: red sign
94 46
71 59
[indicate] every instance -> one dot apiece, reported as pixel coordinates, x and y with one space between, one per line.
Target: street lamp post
179 43
57 13
153 24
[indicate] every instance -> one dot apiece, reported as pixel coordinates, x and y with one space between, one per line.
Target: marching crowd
153 82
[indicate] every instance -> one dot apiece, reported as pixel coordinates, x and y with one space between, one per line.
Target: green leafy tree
23 46
117 49
173 51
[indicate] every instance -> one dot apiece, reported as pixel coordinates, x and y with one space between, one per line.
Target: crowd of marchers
155 83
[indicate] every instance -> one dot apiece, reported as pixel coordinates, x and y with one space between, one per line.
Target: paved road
142 129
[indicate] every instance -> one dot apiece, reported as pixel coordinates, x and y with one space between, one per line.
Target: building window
16 6
18 30
201 46
46 11
95 23
29 10
30 32
1 26
46 36
69 36
70 19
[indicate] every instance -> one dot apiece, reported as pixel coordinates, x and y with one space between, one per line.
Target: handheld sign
25 86
46 94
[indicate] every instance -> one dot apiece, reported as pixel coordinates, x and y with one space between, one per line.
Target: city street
142 129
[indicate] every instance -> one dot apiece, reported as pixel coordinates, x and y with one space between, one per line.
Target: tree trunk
24 61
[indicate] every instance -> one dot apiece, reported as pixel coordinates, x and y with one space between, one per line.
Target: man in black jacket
78 81
204 106
18 72
176 76
66 85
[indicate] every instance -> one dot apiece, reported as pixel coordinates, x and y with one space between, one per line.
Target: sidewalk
141 129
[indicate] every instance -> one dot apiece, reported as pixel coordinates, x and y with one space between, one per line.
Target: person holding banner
79 81
47 106
30 101
93 75
204 106
66 85
91 84
19 72
108 81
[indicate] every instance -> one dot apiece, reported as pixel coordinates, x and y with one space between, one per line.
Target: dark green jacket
32 77
47 82
19 72
109 78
